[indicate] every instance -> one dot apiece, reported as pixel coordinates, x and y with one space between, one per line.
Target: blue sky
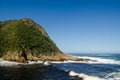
74 25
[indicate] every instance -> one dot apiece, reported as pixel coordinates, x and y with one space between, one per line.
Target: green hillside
20 38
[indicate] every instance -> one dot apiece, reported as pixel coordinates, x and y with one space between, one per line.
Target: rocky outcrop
23 40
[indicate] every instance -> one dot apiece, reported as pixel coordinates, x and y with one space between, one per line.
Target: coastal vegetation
23 39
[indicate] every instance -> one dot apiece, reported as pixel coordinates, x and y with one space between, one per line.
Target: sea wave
11 63
94 69
7 63
84 76
98 69
87 77
100 60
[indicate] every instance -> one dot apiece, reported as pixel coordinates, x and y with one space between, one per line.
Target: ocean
32 72
106 66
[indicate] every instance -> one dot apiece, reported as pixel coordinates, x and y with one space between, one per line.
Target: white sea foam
84 76
109 76
100 60
46 63
87 77
34 62
112 76
7 63
11 63
93 60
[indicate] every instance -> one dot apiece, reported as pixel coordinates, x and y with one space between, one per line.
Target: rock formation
23 40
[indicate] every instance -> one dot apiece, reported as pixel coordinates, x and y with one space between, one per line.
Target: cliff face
23 39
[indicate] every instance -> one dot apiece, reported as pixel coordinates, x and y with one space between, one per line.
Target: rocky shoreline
34 71
48 67
57 57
